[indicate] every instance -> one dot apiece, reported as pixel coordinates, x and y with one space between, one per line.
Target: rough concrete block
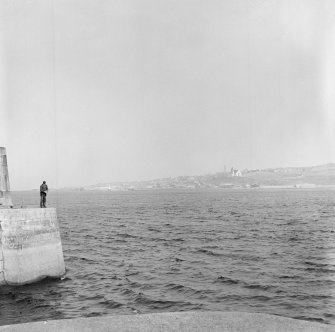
31 246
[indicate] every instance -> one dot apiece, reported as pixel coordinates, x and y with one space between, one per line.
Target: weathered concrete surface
30 245
5 196
180 321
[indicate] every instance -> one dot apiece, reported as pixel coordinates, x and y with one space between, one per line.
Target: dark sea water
269 251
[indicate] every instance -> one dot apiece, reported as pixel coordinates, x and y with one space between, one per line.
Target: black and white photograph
167 165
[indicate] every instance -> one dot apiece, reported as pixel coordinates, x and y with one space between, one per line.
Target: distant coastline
322 176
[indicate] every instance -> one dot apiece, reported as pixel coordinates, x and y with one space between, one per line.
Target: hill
289 177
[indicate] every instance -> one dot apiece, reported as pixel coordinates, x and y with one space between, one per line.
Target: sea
132 252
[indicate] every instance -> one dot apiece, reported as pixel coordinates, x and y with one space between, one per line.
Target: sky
122 90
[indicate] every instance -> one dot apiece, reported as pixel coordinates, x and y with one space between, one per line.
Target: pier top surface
178 321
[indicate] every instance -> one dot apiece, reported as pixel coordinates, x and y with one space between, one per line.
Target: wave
226 280
208 252
154 304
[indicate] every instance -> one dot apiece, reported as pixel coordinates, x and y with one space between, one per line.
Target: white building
235 172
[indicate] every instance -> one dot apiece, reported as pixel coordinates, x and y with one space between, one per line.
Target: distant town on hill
289 177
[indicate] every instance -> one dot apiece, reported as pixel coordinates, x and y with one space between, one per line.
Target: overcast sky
113 90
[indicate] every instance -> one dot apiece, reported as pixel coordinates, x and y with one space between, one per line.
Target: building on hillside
235 172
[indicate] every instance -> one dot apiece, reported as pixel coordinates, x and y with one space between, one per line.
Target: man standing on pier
43 193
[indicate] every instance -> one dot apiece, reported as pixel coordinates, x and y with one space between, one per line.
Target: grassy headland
286 177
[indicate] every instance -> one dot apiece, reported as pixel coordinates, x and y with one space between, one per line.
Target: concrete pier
5 196
31 247
176 321
30 243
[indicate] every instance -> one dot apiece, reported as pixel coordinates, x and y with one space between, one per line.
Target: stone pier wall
5 196
30 245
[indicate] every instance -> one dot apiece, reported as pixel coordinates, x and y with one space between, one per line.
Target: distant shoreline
291 187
